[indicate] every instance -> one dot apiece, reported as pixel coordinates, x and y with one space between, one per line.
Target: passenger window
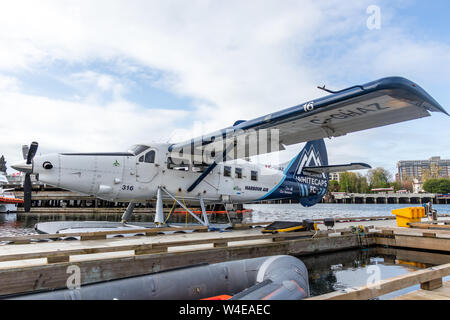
254 175
199 167
141 159
238 172
226 171
181 166
150 157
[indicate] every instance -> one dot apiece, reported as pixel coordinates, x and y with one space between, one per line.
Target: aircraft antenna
334 92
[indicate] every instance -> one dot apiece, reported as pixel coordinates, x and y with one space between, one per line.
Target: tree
431 173
353 182
404 185
444 185
347 182
437 186
333 186
407 185
379 178
363 186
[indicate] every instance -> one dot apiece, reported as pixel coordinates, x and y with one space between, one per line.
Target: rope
171 210
359 231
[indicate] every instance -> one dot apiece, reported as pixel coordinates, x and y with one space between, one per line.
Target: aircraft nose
23 167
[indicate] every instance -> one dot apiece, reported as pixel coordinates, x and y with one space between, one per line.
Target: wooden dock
29 264
441 293
434 242
430 281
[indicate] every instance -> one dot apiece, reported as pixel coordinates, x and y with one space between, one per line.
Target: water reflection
296 212
354 268
10 226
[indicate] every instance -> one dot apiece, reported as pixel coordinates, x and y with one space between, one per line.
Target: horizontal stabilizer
336 168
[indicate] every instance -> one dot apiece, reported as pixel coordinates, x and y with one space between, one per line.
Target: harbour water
354 268
296 212
10 226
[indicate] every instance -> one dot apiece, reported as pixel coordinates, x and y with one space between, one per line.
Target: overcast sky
103 75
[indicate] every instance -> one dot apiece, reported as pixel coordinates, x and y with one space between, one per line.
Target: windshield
137 149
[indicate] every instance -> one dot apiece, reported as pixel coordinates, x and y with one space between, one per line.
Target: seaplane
214 168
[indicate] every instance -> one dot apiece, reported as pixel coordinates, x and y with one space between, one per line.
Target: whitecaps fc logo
311 158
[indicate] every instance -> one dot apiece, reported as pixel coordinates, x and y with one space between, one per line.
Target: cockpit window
150 156
137 149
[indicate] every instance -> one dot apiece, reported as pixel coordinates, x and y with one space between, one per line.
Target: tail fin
312 187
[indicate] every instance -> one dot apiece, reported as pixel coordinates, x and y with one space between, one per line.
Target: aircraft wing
336 168
375 104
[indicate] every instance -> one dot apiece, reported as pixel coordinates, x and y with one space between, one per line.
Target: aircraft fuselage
124 177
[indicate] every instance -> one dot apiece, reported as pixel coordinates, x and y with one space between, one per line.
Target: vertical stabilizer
312 187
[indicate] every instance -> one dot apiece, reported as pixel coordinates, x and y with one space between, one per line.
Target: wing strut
202 176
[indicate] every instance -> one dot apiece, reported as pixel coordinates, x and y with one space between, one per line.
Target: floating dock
34 263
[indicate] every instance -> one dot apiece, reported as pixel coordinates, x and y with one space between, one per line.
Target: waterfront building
336 176
415 169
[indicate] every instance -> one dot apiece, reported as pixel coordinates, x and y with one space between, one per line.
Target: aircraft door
146 166
226 182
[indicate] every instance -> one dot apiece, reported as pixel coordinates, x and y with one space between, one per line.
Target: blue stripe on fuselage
273 190
280 183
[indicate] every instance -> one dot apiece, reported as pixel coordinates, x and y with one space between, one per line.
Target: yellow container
409 215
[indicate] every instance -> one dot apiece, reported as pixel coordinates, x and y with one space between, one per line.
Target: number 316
127 187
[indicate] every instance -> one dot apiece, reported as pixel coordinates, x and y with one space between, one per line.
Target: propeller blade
32 152
27 193
25 151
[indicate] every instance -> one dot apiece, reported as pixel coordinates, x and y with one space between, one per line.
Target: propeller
28 154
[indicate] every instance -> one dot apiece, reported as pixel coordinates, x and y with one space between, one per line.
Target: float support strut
159 215
183 206
205 216
128 212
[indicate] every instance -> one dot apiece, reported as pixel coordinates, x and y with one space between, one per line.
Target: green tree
379 178
437 186
347 182
363 186
333 186
353 182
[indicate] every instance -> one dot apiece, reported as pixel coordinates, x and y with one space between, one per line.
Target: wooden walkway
35 266
27 265
442 293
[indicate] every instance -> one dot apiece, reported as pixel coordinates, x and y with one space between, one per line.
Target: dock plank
442 293
56 251
28 276
415 242
414 231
